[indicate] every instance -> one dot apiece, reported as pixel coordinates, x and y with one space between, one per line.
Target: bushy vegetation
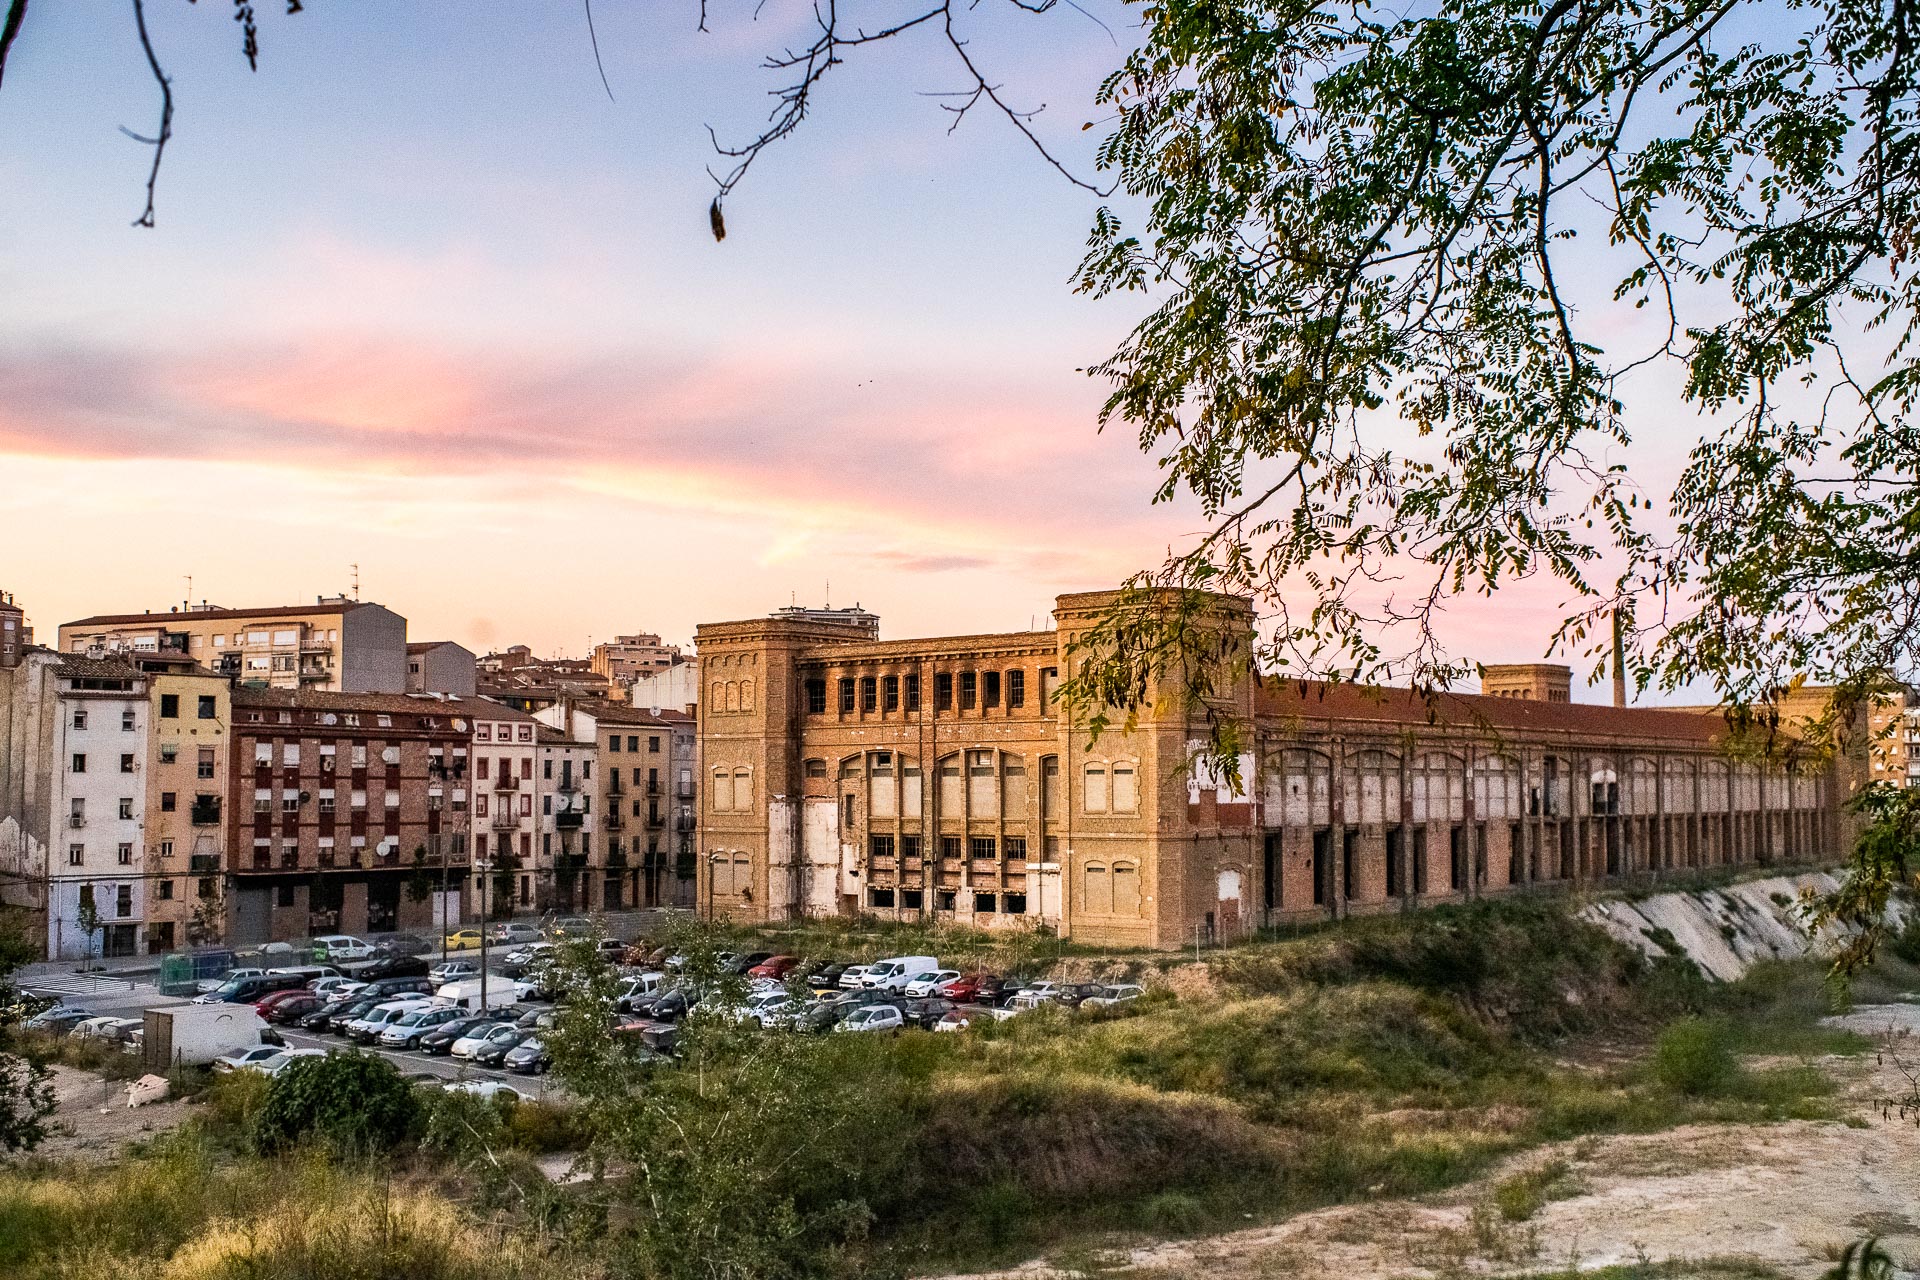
353 1103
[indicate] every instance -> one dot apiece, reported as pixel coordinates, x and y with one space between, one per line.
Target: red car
971 988
265 1004
775 967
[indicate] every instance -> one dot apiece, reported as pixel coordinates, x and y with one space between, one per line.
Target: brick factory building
939 779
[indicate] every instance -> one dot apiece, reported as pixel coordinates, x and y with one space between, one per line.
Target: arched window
816 768
882 790
1439 788
953 800
1676 785
722 791
1372 787
733 696
1050 788
1304 783
1496 788
982 800
1095 793
1643 779
718 702
1126 888
1098 892
1013 788
746 695
1126 794
743 789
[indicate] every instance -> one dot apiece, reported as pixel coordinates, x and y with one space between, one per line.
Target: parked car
927 983
515 931
826 978
211 984
853 977
335 1014
1071 994
769 1009
528 1058
494 1052
60 1019
825 1014
670 1005
517 962
308 973
246 1059
774 967
334 988
341 946
742 962
406 1031
287 1057
925 1011
297 1005
461 940
954 1019
488 1089
1109 996
875 1017
569 927
249 990
438 1042
401 945
394 967
637 987
266 1003
1035 994
478 1035
978 987
537 1020
452 971
895 973
368 1027
391 987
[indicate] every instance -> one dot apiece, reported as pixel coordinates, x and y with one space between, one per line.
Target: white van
465 993
637 987
895 974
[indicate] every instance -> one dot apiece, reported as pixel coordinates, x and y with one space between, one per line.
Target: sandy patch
93 1122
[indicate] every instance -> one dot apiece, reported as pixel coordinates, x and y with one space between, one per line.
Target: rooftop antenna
188 602
356 579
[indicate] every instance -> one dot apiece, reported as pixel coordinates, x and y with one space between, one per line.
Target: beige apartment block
190 719
940 779
333 645
625 658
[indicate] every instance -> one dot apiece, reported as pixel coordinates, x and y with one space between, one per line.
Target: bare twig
16 14
159 141
594 37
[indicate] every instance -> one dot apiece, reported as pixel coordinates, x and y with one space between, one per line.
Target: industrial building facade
941 779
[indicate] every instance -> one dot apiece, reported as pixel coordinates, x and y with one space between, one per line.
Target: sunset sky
422 299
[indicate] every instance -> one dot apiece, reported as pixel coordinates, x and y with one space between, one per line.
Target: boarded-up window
1050 788
1676 787
952 802
1126 889
722 791
1438 788
910 790
981 800
742 790
1126 796
1015 782
1496 788
1099 889
1096 789
1645 783
882 792
746 695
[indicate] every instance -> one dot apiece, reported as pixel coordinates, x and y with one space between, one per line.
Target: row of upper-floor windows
975 690
978 785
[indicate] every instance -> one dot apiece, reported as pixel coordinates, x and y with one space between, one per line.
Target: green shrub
463 1125
1174 1213
1694 1056
542 1127
233 1103
352 1103
1905 945
1525 1193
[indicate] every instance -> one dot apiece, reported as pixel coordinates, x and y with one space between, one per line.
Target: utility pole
483 866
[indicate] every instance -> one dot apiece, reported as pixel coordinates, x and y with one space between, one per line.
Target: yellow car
463 940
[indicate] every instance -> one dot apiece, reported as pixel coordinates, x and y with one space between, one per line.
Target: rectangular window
125 855
613 742
204 766
79 717
79 762
816 697
166 848
1016 690
208 706
949 846
169 752
653 745
76 854
969 690
168 802
985 903
880 846
126 808
126 762
943 691
913 692
169 706
909 846
633 742
846 695
126 721
123 895
890 693
1016 848
868 698
990 689
166 891
981 846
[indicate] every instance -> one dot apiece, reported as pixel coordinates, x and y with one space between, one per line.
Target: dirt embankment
93 1122
1785 1197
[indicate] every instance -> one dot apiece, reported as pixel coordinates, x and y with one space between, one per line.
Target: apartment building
648 799
190 714
440 666
16 637
677 686
940 779
506 805
515 677
1893 738
73 766
624 659
567 820
352 812
333 645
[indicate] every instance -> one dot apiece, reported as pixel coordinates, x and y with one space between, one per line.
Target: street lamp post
713 860
482 866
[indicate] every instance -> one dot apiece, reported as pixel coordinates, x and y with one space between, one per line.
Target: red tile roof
1319 700
197 615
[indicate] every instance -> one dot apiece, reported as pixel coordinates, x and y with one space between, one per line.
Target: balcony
205 813
504 822
683 823
656 819
568 820
567 784
571 862
616 858
204 864
685 791
613 821
77 820
506 782
653 787
615 787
